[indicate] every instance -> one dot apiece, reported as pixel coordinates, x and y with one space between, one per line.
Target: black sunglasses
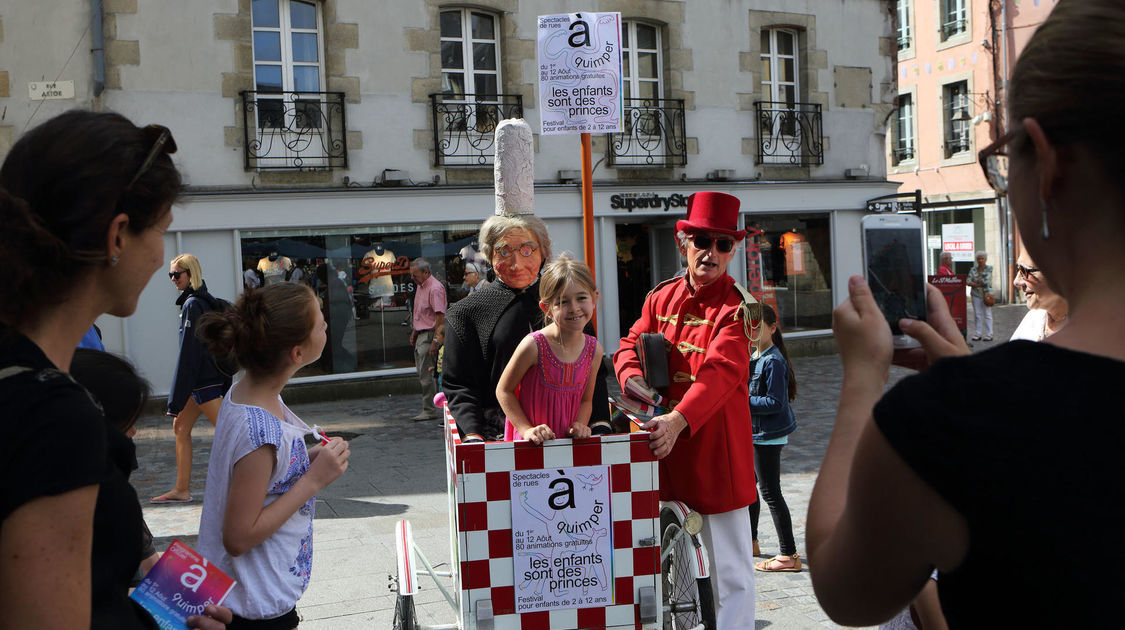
175 275
702 241
1026 272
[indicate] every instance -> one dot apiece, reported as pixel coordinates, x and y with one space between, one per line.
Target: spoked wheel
688 600
405 586
404 613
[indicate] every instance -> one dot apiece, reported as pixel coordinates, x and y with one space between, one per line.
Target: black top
194 368
482 333
64 444
1023 440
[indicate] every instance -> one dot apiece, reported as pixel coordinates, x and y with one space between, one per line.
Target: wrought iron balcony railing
789 133
294 130
903 153
465 126
654 134
955 145
954 27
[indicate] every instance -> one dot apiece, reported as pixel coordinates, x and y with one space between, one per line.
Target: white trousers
982 313
727 538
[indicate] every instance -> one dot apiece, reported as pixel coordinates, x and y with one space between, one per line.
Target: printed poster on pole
957 239
562 545
580 73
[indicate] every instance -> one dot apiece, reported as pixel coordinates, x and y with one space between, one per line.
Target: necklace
559 340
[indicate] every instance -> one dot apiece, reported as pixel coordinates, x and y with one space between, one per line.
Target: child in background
257 521
122 394
772 387
547 389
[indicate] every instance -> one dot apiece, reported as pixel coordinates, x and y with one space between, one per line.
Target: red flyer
953 288
180 585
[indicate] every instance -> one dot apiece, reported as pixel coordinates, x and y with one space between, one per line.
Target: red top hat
709 211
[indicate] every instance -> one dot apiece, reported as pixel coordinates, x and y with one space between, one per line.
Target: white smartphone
894 265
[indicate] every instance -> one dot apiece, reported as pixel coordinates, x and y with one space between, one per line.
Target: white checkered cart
568 535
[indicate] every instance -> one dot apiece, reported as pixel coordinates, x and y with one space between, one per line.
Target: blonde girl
262 481
547 389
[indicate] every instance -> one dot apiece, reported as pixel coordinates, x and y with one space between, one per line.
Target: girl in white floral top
262 480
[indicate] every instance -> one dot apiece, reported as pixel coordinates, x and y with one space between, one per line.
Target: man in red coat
705 442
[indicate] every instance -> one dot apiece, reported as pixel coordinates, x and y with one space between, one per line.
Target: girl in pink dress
547 389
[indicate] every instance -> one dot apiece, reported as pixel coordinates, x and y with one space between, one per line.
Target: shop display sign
957 239
580 73
630 201
562 547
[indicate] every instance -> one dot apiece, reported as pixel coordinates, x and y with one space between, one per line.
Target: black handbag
652 354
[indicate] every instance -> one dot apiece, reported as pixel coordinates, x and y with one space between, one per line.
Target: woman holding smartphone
941 471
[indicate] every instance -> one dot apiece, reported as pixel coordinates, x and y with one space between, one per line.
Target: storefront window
362 277
789 267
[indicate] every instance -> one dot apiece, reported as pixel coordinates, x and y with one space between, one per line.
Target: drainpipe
98 46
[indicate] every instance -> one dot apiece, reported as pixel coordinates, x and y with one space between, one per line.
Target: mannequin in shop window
275 268
380 287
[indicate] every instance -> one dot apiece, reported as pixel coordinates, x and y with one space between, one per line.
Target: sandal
164 498
780 564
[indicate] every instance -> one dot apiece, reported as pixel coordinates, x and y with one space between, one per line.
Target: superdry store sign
646 201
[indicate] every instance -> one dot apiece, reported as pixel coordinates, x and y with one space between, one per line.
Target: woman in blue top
772 387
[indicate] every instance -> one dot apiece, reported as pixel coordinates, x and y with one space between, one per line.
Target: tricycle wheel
404 613
688 601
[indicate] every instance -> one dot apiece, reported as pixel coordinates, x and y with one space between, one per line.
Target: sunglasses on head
702 241
1026 272
175 275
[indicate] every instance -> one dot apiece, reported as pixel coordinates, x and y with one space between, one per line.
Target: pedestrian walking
428 333
197 385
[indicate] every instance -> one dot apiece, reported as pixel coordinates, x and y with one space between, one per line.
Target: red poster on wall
953 289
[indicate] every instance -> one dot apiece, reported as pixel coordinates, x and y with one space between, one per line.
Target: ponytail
769 316
263 326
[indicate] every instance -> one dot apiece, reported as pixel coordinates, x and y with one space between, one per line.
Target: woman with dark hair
85 200
943 470
198 385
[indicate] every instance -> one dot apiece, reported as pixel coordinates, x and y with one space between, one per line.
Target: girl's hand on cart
578 430
331 462
663 432
538 434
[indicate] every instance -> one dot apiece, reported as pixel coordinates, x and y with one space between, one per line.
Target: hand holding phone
893 263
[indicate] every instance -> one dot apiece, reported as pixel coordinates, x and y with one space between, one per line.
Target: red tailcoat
711 468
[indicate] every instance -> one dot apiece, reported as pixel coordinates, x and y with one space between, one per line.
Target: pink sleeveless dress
551 391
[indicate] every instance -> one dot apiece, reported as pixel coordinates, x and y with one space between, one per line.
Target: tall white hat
514 168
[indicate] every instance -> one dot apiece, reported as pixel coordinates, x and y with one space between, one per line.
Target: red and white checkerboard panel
484 526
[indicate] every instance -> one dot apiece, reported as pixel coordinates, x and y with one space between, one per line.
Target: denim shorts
207 393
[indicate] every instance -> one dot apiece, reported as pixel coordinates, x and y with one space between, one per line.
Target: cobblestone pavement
396 471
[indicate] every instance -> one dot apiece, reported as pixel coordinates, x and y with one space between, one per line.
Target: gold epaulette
749 311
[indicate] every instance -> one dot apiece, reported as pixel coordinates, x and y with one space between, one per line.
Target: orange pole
588 209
